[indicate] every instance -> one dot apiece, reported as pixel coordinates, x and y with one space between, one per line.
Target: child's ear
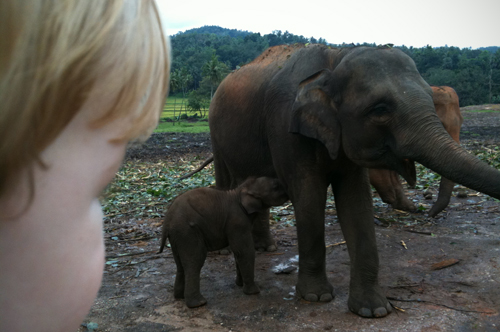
251 203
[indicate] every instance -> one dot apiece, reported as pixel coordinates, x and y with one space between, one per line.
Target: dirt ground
464 295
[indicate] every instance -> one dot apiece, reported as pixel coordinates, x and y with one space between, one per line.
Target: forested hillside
202 57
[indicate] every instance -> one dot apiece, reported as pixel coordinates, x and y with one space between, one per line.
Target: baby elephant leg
180 278
192 260
244 255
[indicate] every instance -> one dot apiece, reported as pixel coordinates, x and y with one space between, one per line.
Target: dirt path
137 290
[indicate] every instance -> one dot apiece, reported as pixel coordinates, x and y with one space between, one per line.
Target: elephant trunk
445 190
443 155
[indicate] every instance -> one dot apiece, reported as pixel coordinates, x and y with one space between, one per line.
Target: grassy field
180 107
181 126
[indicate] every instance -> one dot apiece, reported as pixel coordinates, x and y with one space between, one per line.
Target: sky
417 23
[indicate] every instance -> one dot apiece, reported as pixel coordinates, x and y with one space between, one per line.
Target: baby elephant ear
314 113
251 203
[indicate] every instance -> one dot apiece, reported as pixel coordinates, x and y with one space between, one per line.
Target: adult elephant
316 116
387 182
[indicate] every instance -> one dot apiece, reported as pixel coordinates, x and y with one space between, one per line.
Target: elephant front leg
244 255
309 204
355 212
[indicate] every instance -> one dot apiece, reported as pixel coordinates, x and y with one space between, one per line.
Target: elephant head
375 107
261 193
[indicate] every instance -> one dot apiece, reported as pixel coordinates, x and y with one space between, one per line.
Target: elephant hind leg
179 277
192 262
223 178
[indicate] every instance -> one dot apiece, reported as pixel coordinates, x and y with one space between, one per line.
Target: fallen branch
129 240
418 232
130 263
335 244
131 254
444 264
439 304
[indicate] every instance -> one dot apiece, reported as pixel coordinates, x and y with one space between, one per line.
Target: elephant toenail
389 308
380 312
272 248
326 297
311 297
365 312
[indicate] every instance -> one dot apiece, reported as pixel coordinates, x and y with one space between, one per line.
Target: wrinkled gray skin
387 183
207 219
316 117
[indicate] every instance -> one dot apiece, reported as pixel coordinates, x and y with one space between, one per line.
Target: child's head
55 55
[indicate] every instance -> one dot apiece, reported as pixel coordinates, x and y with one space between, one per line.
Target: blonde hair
52 55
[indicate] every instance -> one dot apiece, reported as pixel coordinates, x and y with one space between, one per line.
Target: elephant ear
314 113
250 201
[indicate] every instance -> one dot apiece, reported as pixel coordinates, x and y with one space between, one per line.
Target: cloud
453 22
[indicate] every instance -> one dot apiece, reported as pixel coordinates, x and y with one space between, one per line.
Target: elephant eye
380 112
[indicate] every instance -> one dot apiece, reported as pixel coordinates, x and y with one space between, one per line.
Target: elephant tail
205 163
164 236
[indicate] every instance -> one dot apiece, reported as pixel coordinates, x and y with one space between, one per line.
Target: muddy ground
137 292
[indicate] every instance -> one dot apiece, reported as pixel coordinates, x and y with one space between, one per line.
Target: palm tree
175 84
185 78
215 71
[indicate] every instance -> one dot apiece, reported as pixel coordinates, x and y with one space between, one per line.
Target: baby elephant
207 219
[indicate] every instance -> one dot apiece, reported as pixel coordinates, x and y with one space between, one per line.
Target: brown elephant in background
387 182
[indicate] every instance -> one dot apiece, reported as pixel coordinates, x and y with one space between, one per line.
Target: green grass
183 127
177 102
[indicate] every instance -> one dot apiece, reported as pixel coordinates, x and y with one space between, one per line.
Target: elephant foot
404 205
251 289
369 304
178 289
225 251
195 301
178 293
265 244
315 290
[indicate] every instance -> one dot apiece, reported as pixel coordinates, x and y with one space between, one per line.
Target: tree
197 102
184 79
174 85
215 71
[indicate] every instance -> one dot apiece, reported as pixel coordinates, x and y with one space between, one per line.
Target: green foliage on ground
143 189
